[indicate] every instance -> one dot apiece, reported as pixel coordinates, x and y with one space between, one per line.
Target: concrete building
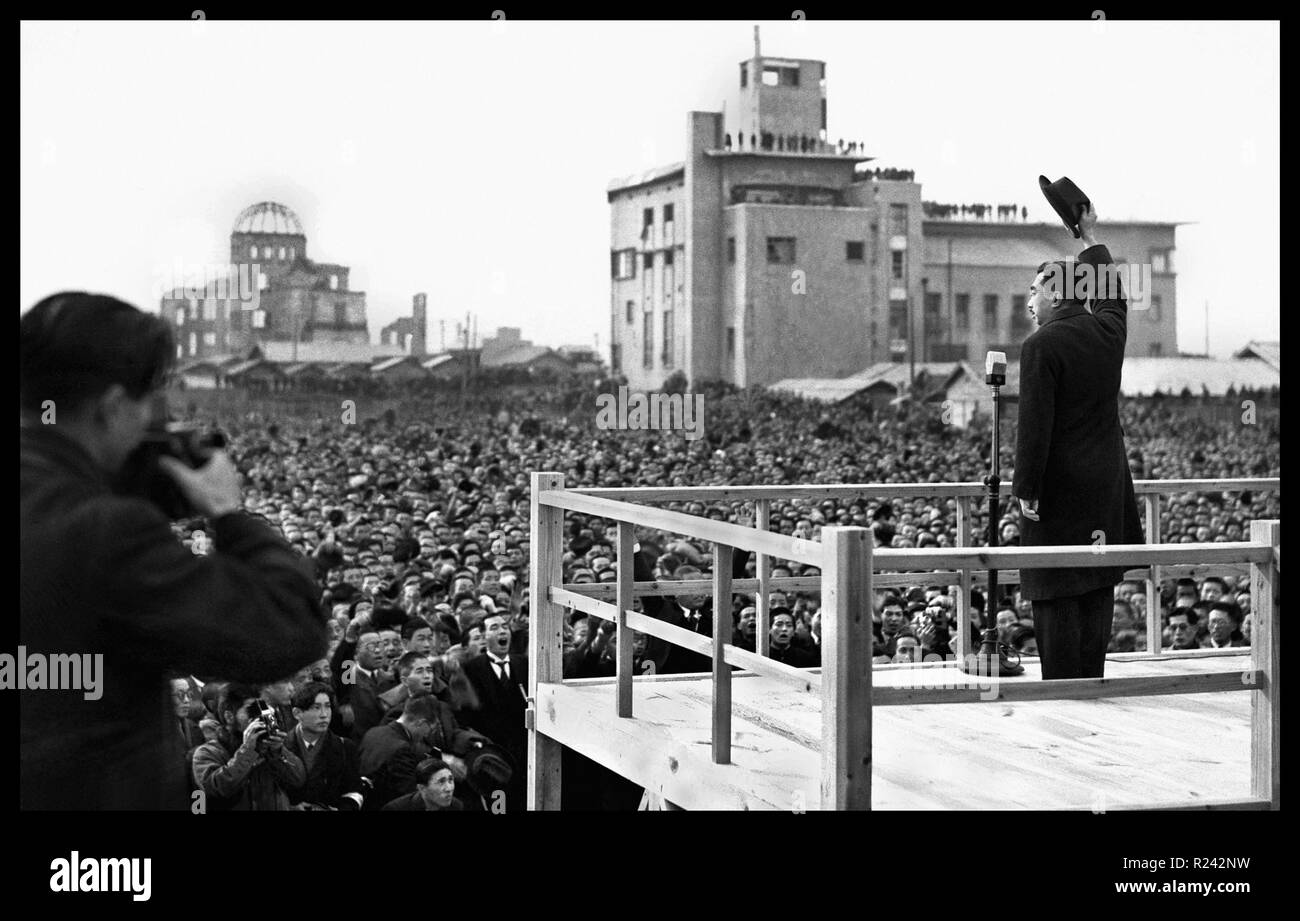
978 271
410 333
297 299
272 292
771 253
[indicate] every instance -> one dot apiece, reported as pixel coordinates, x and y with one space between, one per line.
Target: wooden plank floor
1063 754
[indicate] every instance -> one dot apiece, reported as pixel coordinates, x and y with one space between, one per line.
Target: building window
1155 349
962 312
292 253
341 313
648 261
623 264
209 339
855 251
1162 261
1019 313
252 252
262 283
668 257
648 337
780 250
932 300
194 343
668 339
896 260
780 76
1156 307
744 74
631 311
259 319
898 220
180 316
281 253
334 282
648 217
898 319
668 214
266 252
731 250
180 350
990 312
731 342
616 358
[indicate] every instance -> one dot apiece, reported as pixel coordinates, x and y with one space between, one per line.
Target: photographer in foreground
103 573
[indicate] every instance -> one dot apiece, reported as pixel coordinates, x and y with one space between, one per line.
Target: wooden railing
1150 492
847 559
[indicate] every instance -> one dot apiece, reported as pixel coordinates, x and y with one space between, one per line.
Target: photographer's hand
275 741
213 488
253 734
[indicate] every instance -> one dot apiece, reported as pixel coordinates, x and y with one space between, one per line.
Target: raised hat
1066 199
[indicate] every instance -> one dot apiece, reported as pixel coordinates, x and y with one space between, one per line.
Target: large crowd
417 522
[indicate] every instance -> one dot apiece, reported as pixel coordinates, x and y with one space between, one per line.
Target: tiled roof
1270 352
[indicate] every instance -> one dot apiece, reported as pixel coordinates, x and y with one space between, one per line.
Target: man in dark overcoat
1071 475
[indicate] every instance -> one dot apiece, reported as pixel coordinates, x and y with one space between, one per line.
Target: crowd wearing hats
419 532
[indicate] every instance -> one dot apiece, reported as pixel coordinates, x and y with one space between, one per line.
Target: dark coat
1069 444
335 772
797 656
102 573
500 717
244 779
390 757
671 659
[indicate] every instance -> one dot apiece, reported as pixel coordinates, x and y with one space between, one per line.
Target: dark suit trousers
1073 633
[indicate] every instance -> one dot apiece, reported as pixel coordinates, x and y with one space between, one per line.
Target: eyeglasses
182 695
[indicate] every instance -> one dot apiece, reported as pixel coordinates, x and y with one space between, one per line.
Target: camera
142 477
266 713
261 710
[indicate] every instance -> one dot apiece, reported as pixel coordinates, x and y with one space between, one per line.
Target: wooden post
545 638
1152 502
1266 659
623 638
962 645
846 668
763 628
721 670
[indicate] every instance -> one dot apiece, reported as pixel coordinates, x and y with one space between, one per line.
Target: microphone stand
991 650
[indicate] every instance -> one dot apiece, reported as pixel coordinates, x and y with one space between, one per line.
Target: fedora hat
1066 199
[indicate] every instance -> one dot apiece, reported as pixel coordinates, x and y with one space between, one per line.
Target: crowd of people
417 522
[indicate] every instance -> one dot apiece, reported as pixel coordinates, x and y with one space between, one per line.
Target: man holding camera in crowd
247 767
103 573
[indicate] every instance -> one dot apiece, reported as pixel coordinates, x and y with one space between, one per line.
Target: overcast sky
470 160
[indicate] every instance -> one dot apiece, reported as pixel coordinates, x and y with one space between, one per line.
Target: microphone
995 369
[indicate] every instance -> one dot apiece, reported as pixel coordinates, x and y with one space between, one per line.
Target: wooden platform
1101 754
